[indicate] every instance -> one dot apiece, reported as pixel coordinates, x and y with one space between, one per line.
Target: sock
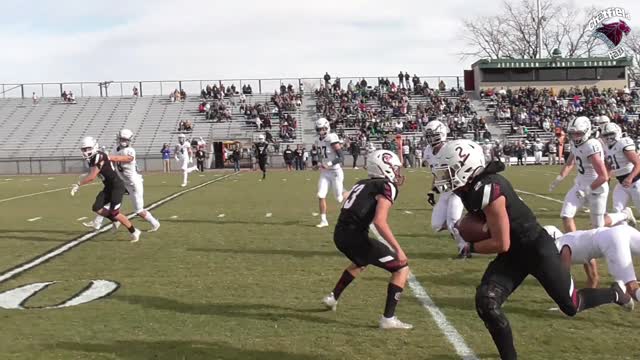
98 220
503 338
342 284
393 296
131 229
185 174
323 217
151 219
617 217
590 298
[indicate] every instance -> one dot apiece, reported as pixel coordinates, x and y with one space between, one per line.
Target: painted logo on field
17 298
611 26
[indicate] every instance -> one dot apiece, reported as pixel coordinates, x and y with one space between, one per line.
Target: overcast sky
86 40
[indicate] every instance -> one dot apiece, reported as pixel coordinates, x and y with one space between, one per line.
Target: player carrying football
523 246
109 200
591 181
125 163
448 209
261 152
369 203
330 167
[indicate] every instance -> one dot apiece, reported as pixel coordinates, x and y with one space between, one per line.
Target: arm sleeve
339 159
485 194
389 191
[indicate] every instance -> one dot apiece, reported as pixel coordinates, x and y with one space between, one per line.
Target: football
473 227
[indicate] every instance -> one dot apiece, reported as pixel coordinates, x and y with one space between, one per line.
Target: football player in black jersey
369 202
523 246
109 200
261 154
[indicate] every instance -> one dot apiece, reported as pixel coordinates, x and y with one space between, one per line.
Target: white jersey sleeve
429 156
582 244
183 150
616 159
583 154
128 171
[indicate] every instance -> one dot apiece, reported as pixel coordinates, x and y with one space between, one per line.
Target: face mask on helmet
124 142
577 137
432 138
322 131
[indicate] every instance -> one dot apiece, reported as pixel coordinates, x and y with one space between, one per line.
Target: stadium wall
601 84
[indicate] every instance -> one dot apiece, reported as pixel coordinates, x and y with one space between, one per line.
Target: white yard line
36 193
73 243
81 218
34 219
540 196
450 332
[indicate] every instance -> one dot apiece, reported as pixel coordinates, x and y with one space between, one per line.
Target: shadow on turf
263 312
171 350
236 222
26 235
309 253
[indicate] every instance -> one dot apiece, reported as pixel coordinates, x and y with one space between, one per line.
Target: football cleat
135 236
322 224
622 298
116 225
183 184
330 302
630 218
393 323
155 227
91 224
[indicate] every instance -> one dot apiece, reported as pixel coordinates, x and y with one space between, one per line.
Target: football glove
74 189
431 198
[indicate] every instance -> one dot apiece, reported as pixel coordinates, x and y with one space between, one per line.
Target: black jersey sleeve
388 190
97 160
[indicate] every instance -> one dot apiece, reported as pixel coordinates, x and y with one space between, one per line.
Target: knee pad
489 300
113 214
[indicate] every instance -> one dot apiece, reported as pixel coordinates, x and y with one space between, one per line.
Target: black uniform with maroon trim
111 195
351 234
261 151
532 252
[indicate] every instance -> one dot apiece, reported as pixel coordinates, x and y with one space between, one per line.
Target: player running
590 182
448 209
331 174
184 157
613 244
522 246
623 162
262 153
125 163
369 203
109 200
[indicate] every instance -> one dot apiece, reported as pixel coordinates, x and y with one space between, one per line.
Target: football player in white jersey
612 243
184 157
487 149
448 209
590 184
623 163
331 174
125 161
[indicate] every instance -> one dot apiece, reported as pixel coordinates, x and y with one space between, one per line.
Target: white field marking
201 175
284 179
268 215
50 178
26 180
408 212
81 218
164 182
174 217
84 238
450 332
554 309
308 179
221 215
45 184
540 196
543 209
314 214
36 193
8 179
34 219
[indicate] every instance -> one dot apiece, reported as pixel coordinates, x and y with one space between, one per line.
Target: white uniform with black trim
332 176
621 167
448 209
182 152
537 152
614 244
586 174
132 179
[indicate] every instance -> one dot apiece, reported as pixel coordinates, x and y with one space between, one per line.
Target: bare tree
485 37
632 45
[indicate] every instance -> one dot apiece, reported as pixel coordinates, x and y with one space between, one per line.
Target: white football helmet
611 133
457 163
322 127
124 137
89 147
182 138
435 132
579 130
260 138
602 120
385 164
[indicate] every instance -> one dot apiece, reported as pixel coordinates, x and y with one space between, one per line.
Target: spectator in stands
183 95
406 79
406 151
521 154
172 96
327 79
386 145
417 154
200 158
298 158
235 157
136 93
401 80
166 158
442 86
64 96
552 151
287 155
315 156
34 98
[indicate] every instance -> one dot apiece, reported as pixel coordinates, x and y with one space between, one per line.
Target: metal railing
163 87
